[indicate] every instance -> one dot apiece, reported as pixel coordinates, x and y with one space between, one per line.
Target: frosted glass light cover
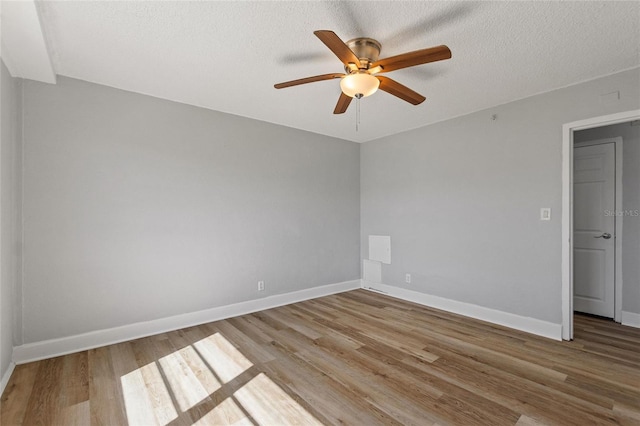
363 83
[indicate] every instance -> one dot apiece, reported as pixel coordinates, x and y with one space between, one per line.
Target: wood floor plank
44 406
321 390
76 415
368 388
76 372
256 352
351 358
105 392
16 396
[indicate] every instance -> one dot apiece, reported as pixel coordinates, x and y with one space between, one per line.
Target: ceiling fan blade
337 46
308 80
343 103
400 90
410 59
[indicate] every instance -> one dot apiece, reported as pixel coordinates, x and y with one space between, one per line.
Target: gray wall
461 199
136 208
630 202
10 235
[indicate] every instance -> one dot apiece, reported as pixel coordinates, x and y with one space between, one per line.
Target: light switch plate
545 213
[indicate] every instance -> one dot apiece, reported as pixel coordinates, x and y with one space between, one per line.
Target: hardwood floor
356 358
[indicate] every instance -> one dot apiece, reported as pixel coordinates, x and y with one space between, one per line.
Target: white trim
23 41
631 319
619 149
6 58
66 345
567 206
518 322
6 376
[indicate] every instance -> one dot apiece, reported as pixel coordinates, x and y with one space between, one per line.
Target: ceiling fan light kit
359 85
361 64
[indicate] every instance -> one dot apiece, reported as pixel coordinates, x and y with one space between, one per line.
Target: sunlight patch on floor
225 360
146 397
226 413
189 378
194 374
270 405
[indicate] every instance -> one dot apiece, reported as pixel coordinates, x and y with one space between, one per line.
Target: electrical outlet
407 278
260 285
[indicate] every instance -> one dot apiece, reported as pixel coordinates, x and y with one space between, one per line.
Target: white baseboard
528 324
631 319
66 345
6 376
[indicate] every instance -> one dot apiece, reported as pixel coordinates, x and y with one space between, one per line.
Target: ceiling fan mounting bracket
366 49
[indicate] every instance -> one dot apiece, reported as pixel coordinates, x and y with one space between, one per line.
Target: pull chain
358 97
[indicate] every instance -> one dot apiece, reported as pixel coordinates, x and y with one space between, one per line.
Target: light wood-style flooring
358 358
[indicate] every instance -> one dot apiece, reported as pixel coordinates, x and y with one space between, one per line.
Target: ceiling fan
361 64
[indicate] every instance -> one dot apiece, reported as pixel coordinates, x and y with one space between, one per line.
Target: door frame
567 206
618 221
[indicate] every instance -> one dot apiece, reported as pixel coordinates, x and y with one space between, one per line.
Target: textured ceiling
226 56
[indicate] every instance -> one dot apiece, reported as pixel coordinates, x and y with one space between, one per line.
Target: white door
594 229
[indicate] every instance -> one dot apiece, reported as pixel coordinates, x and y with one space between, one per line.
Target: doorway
597 198
568 135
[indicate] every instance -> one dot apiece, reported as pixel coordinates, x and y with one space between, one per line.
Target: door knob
605 235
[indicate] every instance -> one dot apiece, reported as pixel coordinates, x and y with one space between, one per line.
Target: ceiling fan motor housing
366 49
